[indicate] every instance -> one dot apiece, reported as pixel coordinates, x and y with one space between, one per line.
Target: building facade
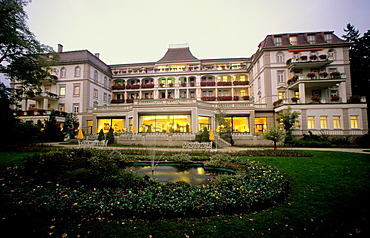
177 96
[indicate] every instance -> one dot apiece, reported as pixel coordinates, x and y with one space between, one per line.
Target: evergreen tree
101 135
70 125
110 136
359 53
52 131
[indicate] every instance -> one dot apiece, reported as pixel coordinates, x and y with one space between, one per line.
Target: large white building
171 99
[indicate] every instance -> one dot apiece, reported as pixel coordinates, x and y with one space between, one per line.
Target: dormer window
277 41
328 38
293 40
311 39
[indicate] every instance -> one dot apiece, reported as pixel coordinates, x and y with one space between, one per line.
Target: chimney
60 48
97 55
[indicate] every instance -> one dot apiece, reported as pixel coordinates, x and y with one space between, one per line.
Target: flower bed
256 187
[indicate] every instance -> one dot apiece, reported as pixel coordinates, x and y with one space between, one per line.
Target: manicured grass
330 193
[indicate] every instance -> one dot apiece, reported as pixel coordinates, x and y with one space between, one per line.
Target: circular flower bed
255 187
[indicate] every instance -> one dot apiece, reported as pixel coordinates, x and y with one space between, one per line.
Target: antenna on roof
176 46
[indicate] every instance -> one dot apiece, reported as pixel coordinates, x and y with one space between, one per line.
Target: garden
87 193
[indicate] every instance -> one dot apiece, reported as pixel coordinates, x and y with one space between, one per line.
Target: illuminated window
323 122
165 123
260 124
62 90
204 122
116 124
242 78
354 122
281 95
311 122
95 94
293 40
336 122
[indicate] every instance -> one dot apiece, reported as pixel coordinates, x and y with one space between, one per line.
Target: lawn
329 198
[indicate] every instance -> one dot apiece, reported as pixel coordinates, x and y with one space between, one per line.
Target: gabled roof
178 54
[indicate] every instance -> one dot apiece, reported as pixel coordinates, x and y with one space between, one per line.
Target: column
342 91
302 92
46 102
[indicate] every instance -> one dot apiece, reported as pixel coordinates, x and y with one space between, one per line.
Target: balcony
40 95
38 112
307 62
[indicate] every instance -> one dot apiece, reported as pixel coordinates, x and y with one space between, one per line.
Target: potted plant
245 97
355 99
295 99
161 85
303 57
334 98
315 98
192 84
313 57
311 75
335 74
323 57
236 98
171 84
323 74
278 102
183 84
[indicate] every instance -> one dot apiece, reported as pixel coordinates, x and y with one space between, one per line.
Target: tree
22 57
52 131
288 119
359 53
70 125
101 135
110 136
224 126
275 135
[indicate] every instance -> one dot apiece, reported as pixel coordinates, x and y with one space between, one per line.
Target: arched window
96 75
279 57
77 71
105 81
63 72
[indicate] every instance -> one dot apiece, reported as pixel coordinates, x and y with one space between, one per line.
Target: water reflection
166 173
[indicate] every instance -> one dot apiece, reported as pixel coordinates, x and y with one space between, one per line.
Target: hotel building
170 100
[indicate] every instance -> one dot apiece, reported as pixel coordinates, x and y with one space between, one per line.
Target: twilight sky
125 31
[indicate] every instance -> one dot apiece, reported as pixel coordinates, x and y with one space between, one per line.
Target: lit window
311 39
354 122
280 76
323 122
76 90
293 40
95 93
311 122
336 122
242 78
77 71
62 90
63 72
281 95
279 57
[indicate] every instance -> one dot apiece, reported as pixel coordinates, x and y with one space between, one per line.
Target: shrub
101 135
181 158
110 136
220 160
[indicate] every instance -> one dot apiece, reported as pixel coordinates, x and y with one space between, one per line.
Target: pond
195 174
